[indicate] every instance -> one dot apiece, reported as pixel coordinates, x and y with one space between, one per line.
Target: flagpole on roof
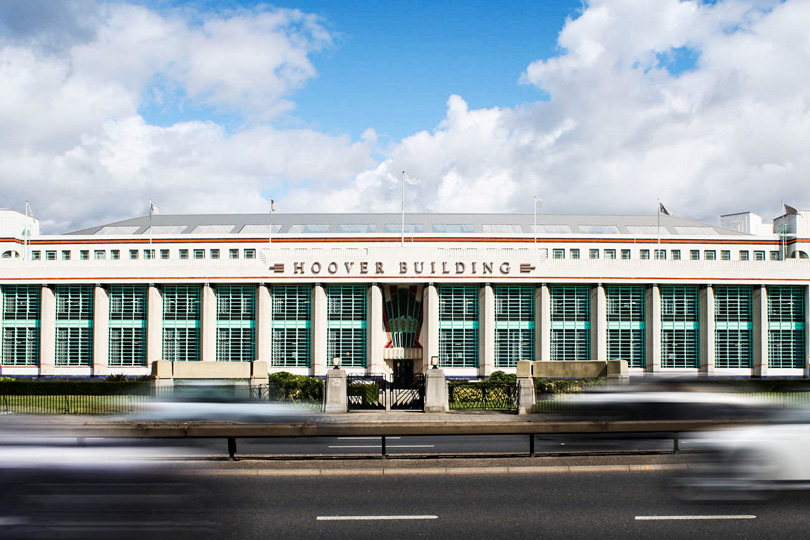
413 181
658 251
272 209
402 230
538 203
151 206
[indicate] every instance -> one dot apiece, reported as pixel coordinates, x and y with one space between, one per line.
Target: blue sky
394 64
595 106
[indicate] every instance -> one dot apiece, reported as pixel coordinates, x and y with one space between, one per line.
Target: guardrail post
676 447
232 448
531 444
384 450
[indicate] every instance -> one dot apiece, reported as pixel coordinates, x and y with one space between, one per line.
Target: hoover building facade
478 291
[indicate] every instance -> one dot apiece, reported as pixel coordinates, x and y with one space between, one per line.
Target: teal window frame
514 324
236 323
787 336
680 326
733 327
570 322
292 326
626 335
346 324
458 325
127 325
74 325
22 306
182 308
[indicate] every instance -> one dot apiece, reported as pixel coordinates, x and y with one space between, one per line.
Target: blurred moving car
211 402
750 463
659 400
55 486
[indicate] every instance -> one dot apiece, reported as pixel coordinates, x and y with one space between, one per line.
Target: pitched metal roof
416 223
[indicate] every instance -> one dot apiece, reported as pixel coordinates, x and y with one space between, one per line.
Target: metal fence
72 404
311 396
482 396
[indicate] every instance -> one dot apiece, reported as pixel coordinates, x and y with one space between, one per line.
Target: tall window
733 327
21 316
458 326
570 322
786 327
680 328
292 323
236 323
127 325
74 325
181 322
514 325
625 324
346 322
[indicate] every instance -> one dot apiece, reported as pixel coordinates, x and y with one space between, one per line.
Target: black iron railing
482 396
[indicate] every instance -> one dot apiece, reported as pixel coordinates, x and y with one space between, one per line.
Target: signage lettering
459 268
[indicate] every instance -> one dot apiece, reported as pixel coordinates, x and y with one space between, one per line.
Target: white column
264 324
486 330
598 323
319 360
376 331
101 331
707 330
154 326
430 305
544 327
760 331
47 332
652 321
208 325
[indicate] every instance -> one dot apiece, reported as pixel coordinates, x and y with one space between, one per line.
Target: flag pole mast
535 219
658 251
150 228
270 233
402 239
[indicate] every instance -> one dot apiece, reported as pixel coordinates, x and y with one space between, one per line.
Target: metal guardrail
231 432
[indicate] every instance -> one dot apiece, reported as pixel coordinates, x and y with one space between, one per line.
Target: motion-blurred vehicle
659 400
749 463
219 403
54 486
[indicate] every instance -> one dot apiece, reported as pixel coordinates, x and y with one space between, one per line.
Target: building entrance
403 373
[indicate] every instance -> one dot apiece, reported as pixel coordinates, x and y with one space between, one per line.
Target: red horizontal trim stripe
373 240
373 277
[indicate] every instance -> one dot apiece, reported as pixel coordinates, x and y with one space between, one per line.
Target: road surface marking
364 438
684 518
371 518
380 446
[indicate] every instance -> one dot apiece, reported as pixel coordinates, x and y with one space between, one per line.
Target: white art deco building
479 291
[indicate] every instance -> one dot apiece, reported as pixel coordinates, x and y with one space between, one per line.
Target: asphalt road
551 505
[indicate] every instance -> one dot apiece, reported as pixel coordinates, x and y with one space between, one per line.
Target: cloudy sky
595 106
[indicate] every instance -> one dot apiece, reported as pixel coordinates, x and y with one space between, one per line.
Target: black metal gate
366 392
408 394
